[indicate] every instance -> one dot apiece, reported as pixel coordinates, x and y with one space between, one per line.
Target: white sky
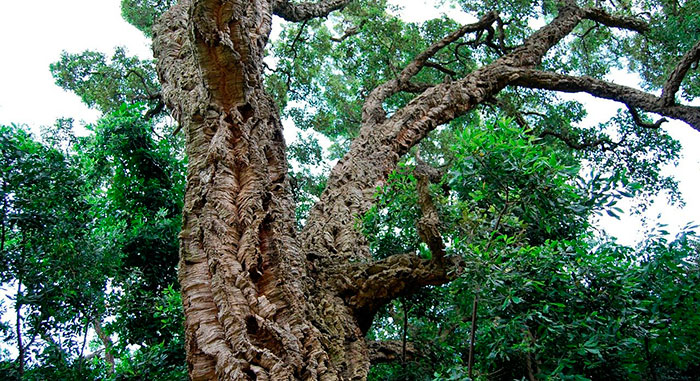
32 36
35 32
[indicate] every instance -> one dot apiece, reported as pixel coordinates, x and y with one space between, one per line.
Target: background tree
46 255
130 182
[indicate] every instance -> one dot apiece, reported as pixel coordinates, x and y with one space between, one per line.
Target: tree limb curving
671 87
621 22
641 123
306 11
633 98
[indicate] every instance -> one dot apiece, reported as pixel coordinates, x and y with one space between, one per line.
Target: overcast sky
35 32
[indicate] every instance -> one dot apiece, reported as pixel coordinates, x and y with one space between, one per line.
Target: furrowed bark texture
240 270
261 301
251 310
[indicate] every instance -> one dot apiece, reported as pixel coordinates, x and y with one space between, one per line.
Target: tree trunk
257 306
18 327
251 310
262 301
107 342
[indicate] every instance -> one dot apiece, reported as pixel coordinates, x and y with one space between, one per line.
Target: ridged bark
249 310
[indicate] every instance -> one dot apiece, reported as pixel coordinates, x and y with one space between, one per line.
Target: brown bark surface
263 301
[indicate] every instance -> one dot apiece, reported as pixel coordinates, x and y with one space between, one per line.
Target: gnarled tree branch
428 226
368 286
159 107
305 11
602 89
641 123
621 22
671 87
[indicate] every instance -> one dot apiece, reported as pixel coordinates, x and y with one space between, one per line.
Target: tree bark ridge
240 271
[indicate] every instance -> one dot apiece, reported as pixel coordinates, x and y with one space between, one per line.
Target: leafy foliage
143 181
553 301
143 13
45 249
107 84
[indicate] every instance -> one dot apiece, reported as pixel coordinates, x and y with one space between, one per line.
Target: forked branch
373 104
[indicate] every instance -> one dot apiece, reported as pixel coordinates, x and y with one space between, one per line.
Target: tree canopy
440 189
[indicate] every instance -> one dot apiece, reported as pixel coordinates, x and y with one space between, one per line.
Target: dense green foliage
553 301
54 276
143 13
89 224
90 232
